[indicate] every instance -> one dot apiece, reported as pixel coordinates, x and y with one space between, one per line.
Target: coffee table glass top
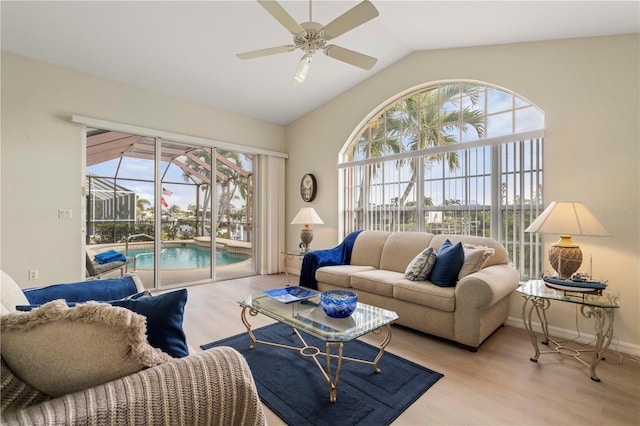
309 317
537 288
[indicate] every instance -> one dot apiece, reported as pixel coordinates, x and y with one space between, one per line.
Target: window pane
500 124
528 119
498 101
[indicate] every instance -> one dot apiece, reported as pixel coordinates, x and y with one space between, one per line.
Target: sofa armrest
210 387
487 286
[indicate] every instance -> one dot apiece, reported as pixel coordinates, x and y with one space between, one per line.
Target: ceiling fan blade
301 71
265 52
349 56
281 15
358 15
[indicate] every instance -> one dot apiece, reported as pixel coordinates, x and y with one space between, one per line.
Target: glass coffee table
308 317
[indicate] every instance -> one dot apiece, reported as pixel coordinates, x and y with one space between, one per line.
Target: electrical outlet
33 274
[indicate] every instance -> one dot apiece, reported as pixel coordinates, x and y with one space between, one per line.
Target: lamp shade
307 216
567 217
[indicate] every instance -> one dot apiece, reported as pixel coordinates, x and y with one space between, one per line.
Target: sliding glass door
158 203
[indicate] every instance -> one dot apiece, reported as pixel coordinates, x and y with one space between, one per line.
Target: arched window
457 157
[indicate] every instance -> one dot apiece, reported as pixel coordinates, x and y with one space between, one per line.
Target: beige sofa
466 313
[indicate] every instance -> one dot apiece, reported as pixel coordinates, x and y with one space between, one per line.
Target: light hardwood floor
498 385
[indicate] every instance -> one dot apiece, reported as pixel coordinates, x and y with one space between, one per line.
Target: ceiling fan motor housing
311 40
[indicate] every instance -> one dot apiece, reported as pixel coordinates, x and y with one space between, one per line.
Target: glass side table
290 255
600 307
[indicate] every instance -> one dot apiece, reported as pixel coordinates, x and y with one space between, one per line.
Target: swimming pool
183 257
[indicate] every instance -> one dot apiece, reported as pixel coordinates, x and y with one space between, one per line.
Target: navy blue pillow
449 261
164 314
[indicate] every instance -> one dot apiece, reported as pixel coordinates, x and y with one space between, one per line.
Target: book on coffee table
291 294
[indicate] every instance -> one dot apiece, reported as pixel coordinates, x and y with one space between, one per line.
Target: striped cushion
214 387
14 393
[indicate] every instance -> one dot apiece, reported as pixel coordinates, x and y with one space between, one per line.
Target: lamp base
306 235
565 257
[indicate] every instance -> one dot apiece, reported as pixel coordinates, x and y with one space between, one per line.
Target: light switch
64 214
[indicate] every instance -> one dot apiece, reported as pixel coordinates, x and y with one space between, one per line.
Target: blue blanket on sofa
339 255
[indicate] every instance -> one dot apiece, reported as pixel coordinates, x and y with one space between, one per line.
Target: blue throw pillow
449 261
164 314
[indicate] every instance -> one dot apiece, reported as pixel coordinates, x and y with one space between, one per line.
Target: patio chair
96 269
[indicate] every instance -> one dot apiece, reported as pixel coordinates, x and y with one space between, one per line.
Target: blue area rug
294 388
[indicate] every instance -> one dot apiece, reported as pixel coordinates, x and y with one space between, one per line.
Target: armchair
210 387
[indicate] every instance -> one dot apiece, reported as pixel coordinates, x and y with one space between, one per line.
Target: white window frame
520 211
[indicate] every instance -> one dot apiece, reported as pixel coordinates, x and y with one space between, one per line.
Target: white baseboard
562 333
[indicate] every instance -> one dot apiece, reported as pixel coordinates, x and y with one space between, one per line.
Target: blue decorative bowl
339 303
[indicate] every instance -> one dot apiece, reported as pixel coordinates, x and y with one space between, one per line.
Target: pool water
183 257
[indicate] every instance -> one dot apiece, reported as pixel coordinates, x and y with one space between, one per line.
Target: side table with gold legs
290 255
599 307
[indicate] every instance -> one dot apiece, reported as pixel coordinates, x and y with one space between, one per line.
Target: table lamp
566 218
306 216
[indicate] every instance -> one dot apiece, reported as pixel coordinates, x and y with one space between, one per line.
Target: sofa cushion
449 260
421 265
426 293
400 248
368 247
58 350
377 281
339 275
475 257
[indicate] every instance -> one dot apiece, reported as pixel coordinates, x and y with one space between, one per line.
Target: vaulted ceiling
188 49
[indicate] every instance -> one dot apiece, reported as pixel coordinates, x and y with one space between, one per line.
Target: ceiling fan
312 36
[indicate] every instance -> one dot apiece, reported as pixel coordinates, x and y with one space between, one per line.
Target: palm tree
235 181
431 116
198 161
381 139
141 204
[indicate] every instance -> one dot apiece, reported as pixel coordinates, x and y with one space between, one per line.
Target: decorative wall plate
308 187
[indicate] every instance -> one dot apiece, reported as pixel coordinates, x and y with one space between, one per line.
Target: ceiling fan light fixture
303 68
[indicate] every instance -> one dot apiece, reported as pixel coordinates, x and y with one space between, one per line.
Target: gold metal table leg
603 319
333 382
243 316
540 306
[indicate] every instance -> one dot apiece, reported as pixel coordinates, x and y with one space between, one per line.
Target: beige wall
42 155
588 89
